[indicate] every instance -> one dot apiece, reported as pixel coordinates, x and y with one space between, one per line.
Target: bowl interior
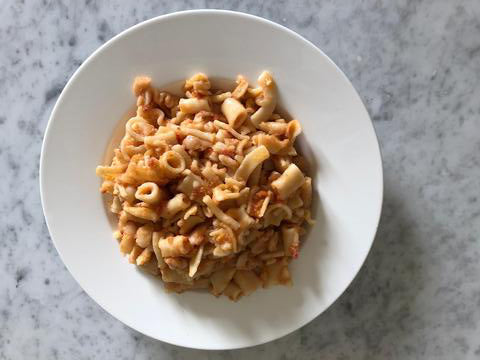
338 140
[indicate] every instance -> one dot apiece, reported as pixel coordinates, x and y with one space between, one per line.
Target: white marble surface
416 65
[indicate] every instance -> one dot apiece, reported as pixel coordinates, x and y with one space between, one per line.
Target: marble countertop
416 65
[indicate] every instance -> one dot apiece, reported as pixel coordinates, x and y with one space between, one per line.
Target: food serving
209 190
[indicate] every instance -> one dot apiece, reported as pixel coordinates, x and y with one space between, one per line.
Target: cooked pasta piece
224 240
291 243
143 236
277 213
247 281
219 98
199 83
150 266
193 105
273 144
306 192
186 225
128 238
198 236
156 236
268 100
202 135
176 263
281 162
230 129
220 280
140 84
171 164
142 212
276 273
242 217
116 206
235 112
224 192
295 202
174 246
195 262
181 150
291 179
241 89
293 130
233 292
258 202
176 204
134 254
219 213
273 127
144 257
250 162
138 128
172 276
208 188
150 193
164 134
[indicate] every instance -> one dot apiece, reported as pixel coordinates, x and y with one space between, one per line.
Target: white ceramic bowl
338 139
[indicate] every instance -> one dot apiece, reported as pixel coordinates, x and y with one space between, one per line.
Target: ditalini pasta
207 189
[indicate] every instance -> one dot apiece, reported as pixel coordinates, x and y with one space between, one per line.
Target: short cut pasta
208 188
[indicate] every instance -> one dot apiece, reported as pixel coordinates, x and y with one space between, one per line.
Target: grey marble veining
416 65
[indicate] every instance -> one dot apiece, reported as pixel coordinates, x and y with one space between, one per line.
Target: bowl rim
138 27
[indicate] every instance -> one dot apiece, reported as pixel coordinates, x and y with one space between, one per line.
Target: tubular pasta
250 162
235 112
171 164
150 193
181 151
291 179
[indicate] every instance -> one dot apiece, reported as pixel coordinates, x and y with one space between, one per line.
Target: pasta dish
208 188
